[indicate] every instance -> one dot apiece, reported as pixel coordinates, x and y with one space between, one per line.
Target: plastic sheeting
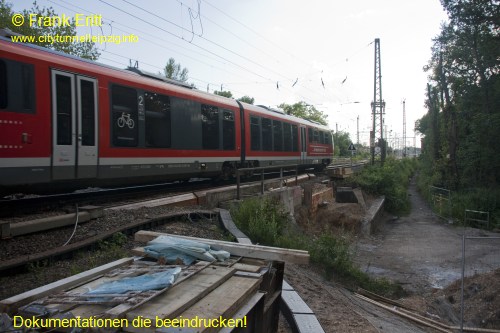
144 282
173 249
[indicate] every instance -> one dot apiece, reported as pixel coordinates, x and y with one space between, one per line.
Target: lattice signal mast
404 128
378 110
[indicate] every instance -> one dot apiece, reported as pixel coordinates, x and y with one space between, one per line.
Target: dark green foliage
305 111
341 141
247 99
262 219
224 93
175 71
86 50
390 180
461 149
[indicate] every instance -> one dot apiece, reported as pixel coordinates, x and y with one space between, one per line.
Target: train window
316 136
158 120
210 126
267 135
17 86
64 110
328 138
3 85
27 86
310 135
255 133
278 135
88 112
295 138
321 137
124 116
228 134
287 137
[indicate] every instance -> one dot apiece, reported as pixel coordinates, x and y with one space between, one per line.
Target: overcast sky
317 51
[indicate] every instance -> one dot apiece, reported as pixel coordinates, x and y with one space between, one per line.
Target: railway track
126 218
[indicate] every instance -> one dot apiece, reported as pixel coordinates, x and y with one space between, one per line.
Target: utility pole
378 108
357 130
404 128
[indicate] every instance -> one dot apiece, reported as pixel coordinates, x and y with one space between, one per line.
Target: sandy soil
424 254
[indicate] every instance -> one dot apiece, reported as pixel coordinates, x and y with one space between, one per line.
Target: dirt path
338 310
424 253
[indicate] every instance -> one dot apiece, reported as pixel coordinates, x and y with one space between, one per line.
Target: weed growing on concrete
265 222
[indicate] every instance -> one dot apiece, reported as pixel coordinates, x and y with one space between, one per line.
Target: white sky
248 46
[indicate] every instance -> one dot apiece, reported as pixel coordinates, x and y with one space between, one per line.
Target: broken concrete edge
368 223
297 313
85 214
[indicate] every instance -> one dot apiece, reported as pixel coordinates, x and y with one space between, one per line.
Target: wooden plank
223 301
181 296
246 267
252 251
120 310
10 305
245 310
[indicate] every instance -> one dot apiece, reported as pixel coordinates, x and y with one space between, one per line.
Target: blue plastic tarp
144 282
173 249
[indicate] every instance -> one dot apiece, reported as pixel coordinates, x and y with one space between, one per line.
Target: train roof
142 77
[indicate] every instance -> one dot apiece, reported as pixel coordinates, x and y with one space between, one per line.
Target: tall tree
174 71
342 141
224 93
247 99
464 96
305 111
85 49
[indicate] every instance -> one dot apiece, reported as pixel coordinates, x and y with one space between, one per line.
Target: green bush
262 219
390 180
479 199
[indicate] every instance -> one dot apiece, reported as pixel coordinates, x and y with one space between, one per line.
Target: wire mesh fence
441 202
480 278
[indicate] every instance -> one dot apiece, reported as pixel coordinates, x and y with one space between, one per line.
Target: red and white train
66 120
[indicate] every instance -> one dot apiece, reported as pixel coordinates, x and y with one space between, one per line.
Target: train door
303 145
74 126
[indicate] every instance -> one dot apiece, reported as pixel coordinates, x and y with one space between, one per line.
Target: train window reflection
158 120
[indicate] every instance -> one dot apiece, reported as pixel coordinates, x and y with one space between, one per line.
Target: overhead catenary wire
282 85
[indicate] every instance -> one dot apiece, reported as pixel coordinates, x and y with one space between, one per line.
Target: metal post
237 184
281 178
462 288
296 175
262 182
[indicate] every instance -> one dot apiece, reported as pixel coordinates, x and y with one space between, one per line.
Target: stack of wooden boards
246 287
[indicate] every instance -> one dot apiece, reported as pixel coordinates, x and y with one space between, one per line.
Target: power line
155 43
207 40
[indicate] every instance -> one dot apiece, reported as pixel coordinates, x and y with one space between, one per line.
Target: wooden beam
244 250
183 295
10 305
223 301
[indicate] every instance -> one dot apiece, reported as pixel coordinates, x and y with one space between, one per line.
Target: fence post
281 178
462 287
262 181
237 184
